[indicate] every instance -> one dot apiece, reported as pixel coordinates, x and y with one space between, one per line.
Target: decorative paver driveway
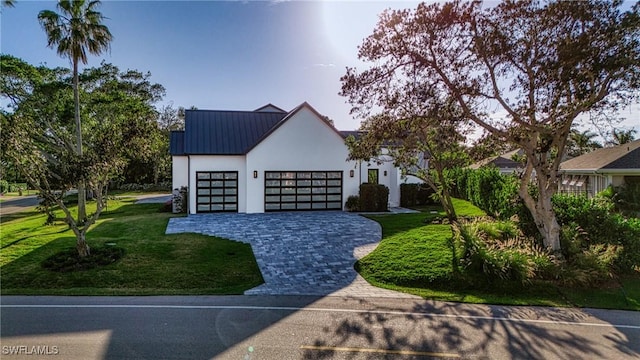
299 253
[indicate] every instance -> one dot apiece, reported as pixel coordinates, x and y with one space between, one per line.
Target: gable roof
214 132
621 157
503 161
270 108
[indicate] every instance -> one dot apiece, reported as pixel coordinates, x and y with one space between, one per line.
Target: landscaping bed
151 262
417 257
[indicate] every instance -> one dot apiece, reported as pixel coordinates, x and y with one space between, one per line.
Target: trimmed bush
488 189
353 203
374 197
416 194
408 195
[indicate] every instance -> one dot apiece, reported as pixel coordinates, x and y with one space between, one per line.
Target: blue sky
236 55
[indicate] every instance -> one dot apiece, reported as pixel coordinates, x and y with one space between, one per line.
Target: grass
153 263
415 257
11 195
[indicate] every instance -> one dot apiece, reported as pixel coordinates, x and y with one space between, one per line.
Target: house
504 162
593 172
269 160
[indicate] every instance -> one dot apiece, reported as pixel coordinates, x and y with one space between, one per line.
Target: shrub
489 253
163 186
488 189
626 199
353 203
374 197
408 195
180 200
69 260
415 194
4 186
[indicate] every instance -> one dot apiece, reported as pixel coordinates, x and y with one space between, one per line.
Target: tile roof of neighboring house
214 132
502 161
622 157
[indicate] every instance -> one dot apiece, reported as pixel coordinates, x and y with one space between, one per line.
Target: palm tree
620 137
581 142
76 30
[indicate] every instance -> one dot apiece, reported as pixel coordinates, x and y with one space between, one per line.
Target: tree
581 142
78 29
38 133
423 140
541 63
619 137
488 145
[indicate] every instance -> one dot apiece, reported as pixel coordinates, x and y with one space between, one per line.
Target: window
372 176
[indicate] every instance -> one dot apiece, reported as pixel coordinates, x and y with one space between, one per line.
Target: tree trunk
445 195
542 211
81 245
82 208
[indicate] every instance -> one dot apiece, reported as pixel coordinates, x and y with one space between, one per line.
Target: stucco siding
218 163
303 143
179 172
388 175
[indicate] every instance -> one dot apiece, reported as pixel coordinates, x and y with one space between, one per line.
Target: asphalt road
22 203
258 327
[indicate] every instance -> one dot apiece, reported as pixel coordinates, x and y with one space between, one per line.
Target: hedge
374 197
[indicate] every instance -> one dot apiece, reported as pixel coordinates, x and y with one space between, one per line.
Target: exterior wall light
350 173
255 174
385 173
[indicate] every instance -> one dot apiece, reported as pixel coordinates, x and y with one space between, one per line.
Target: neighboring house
504 162
593 172
269 160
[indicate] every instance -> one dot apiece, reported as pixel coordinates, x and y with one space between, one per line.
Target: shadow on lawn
439 329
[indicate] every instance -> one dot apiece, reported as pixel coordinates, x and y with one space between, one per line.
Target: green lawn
415 257
153 264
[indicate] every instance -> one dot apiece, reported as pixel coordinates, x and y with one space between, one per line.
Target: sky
234 55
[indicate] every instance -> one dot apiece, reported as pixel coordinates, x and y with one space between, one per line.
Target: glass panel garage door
302 190
217 191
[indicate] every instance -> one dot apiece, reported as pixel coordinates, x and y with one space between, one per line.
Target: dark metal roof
270 107
355 133
211 132
176 143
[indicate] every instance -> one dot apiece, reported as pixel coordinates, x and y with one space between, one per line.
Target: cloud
323 65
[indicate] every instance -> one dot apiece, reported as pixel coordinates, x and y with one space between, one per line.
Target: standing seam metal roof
212 132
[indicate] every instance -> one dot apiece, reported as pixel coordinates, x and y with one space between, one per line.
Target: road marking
379 351
312 309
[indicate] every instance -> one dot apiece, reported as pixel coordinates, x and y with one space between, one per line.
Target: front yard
153 263
416 257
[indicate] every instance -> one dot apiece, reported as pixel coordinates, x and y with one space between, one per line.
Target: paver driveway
299 253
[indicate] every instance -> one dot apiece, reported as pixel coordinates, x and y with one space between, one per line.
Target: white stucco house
269 160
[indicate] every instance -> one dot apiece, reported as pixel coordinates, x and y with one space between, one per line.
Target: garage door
217 191
302 190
